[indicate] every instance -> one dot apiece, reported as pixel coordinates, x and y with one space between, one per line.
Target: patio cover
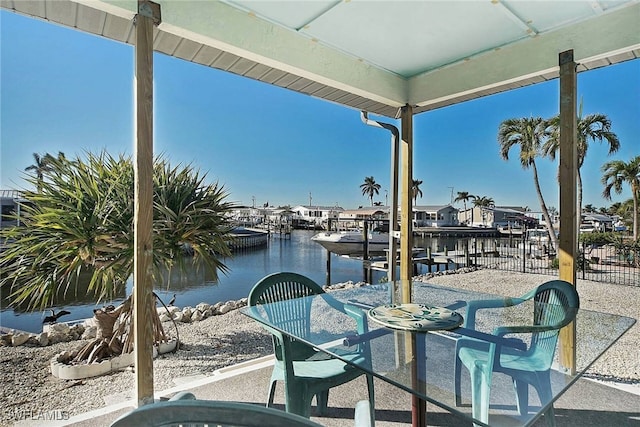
375 56
391 58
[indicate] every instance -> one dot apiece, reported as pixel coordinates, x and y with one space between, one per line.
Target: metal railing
603 263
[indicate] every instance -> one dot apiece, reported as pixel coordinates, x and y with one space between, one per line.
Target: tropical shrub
81 220
596 238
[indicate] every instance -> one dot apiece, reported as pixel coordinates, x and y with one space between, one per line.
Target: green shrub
597 238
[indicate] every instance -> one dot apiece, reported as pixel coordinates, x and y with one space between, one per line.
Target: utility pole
451 194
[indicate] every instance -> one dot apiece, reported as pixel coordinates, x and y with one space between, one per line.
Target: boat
351 242
537 242
511 230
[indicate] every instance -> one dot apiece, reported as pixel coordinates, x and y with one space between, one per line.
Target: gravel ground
225 340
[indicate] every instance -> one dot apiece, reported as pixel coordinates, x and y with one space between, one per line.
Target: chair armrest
525 329
351 340
490 338
359 316
183 395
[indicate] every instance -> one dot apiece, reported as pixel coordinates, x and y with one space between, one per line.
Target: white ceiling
374 55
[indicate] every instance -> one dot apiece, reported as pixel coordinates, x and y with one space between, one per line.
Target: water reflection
197 285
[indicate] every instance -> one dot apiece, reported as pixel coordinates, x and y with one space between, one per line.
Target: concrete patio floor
587 403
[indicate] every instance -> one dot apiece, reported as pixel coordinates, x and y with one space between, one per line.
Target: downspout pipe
394 234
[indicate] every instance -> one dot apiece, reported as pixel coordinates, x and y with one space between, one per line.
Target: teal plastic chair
306 372
555 305
183 410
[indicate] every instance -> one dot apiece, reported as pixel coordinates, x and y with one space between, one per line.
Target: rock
19 339
56 337
78 328
56 328
196 316
90 333
5 340
43 339
203 306
224 309
186 313
177 316
232 305
164 317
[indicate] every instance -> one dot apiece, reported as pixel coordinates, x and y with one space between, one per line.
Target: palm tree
370 188
528 134
593 127
618 172
81 222
483 202
464 197
40 166
415 190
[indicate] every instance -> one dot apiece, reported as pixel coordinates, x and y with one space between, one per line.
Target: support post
568 240
418 406
148 14
406 206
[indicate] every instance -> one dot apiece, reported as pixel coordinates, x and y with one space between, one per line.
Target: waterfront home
596 222
354 218
435 216
10 203
317 216
247 216
499 217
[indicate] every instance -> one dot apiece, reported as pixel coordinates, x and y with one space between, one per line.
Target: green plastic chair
555 305
306 372
185 410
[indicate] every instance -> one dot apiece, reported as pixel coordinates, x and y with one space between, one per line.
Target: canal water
298 254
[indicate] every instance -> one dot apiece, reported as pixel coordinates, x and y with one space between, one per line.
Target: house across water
10 202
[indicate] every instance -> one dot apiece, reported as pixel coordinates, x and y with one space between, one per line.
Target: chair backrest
282 287
556 304
209 412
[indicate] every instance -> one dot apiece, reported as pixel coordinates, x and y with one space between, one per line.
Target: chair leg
480 393
457 372
272 392
298 399
522 395
550 416
322 400
546 395
372 406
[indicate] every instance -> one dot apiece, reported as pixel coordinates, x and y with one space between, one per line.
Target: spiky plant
81 221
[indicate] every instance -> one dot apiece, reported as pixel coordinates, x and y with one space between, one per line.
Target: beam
148 12
568 195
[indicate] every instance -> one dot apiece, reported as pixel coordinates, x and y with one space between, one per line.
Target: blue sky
63 90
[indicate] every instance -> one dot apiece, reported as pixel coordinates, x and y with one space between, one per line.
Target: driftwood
115 335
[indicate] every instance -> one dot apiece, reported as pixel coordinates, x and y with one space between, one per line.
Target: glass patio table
422 362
